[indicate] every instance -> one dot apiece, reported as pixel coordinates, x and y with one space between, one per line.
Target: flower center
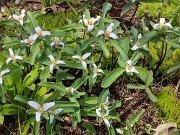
54 62
107 33
90 22
39 33
30 40
81 59
56 41
129 67
104 117
40 109
96 70
51 112
1 75
161 25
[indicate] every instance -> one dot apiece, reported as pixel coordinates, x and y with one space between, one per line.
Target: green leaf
111 130
174 67
103 46
136 56
31 77
135 86
34 52
142 73
149 78
151 96
9 109
147 37
89 127
111 77
65 104
119 48
115 105
136 117
174 44
106 7
73 27
89 101
79 82
87 43
127 7
22 99
32 19
52 85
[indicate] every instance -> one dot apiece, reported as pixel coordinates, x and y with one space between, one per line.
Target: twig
177 86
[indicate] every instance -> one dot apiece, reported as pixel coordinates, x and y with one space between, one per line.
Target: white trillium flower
2 73
57 42
20 17
40 108
130 68
105 104
137 44
96 70
162 24
54 62
71 89
82 59
53 113
103 116
30 40
41 33
108 32
90 22
13 57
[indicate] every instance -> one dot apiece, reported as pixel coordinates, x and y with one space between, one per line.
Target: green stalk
36 128
19 123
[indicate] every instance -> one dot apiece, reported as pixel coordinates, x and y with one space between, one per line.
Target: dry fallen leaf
164 129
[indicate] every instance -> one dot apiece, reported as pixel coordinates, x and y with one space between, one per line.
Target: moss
170 60
56 21
169 104
157 10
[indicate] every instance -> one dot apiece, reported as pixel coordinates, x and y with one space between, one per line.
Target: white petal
107 122
11 52
58 110
127 69
34 104
94 75
76 57
100 32
84 64
94 65
38 29
52 44
51 118
100 71
85 21
18 57
61 43
135 47
60 62
46 33
156 26
8 60
1 81
145 47
162 20
139 36
15 16
120 131
85 56
109 28
23 11
34 37
5 71
129 62
21 22
46 106
168 25
112 35
134 70
51 68
98 112
24 41
90 27
38 115
51 58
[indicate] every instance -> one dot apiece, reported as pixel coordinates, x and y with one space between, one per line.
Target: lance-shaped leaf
106 7
111 77
136 86
151 96
103 46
